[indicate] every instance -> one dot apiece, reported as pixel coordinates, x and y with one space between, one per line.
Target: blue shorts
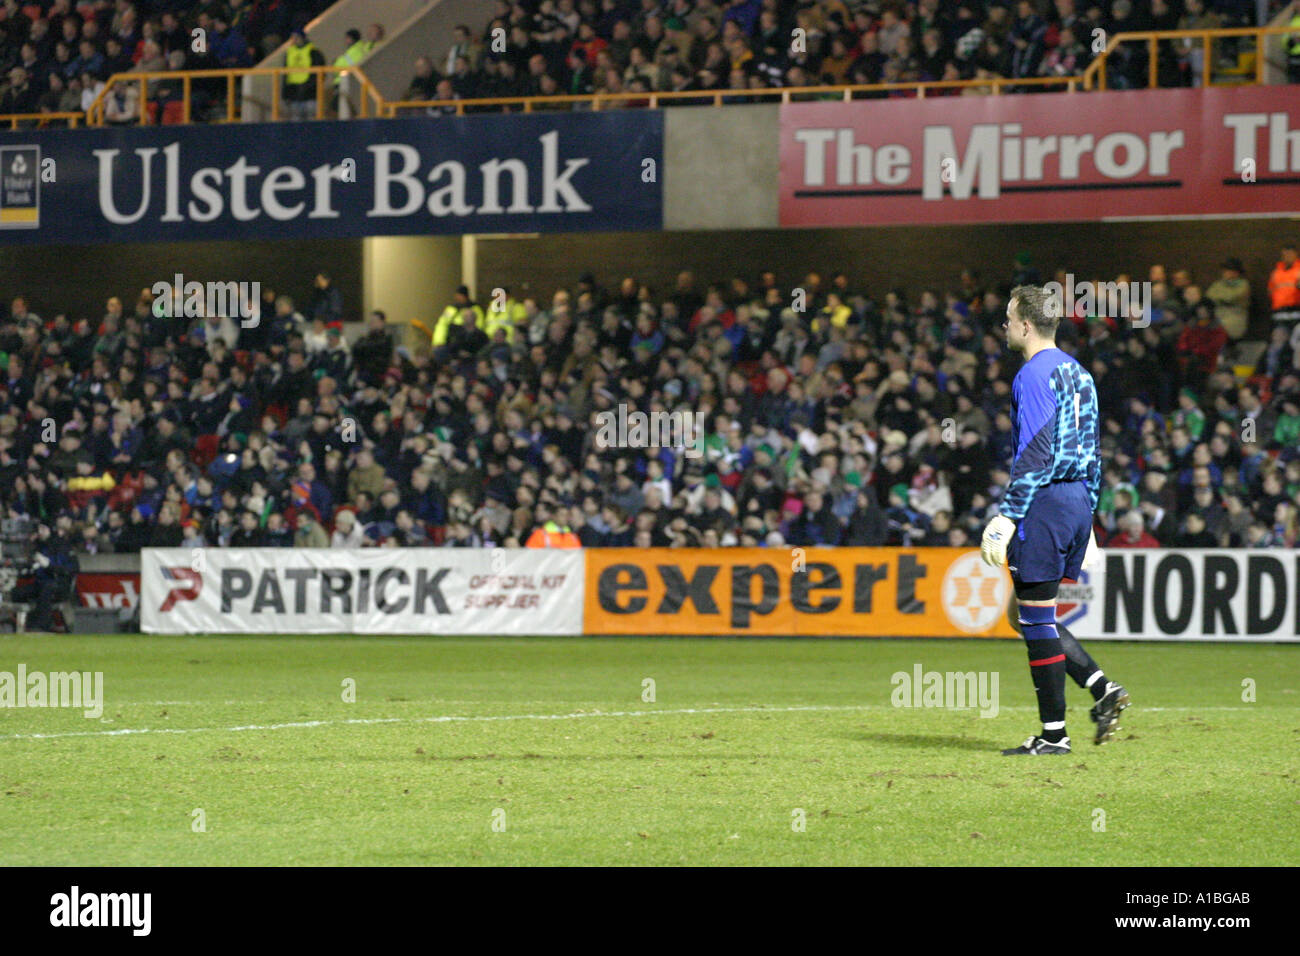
1052 538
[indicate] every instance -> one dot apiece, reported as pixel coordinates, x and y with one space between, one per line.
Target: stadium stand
861 419
581 46
56 55
54 59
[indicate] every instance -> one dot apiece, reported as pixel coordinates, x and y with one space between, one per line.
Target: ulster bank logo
20 189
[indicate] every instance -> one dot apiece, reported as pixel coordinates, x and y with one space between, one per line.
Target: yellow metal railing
653 100
40 120
1094 77
371 103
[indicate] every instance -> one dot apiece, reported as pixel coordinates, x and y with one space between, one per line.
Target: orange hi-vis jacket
552 535
1282 286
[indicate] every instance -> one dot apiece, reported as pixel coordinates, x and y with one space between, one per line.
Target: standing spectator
1293 48
1191 51
1068 58
326 300
299 84
463 47
52 582
1026 35
1230 294
1284 288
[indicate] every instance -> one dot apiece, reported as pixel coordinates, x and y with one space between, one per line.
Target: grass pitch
542 751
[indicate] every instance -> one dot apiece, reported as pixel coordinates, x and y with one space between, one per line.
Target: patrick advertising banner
1052 157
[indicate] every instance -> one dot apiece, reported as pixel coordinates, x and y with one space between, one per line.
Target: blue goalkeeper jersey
1056 429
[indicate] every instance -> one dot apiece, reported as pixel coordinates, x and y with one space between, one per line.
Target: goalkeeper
1044 531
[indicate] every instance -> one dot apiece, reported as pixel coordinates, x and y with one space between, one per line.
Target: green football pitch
221 751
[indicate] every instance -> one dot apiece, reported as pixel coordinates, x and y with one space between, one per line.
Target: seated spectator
19 96
424 84
1200 345
309 533
348 532
1132 533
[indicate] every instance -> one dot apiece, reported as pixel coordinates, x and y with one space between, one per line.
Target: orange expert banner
848 592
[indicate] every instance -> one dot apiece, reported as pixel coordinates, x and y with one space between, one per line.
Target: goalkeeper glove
993 547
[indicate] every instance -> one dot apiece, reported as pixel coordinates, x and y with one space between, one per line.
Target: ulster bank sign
419 176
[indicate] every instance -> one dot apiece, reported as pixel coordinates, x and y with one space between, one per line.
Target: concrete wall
327 32
721 167
410 277
427 33
1275 46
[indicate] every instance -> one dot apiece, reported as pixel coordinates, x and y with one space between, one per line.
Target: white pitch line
442 719
483 718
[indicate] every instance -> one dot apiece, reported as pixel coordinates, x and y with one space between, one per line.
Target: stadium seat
205 449
1264 385
173 113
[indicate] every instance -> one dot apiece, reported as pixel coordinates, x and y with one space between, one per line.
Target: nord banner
313 180
1188 595
1041 157
363 591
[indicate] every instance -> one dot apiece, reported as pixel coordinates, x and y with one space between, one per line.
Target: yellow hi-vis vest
506 318
352 57
450 316
298 56
1293 48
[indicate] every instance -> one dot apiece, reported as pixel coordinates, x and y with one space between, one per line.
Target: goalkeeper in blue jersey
1044 531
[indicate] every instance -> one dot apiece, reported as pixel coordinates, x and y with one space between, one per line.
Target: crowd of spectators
554 47
830 414
55 55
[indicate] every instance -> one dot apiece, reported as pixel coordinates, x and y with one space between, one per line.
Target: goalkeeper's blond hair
1041 308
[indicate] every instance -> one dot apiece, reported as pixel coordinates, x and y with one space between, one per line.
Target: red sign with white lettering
1048 157
109 589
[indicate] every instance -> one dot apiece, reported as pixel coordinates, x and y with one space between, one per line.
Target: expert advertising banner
361 591
1050 157
834 592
